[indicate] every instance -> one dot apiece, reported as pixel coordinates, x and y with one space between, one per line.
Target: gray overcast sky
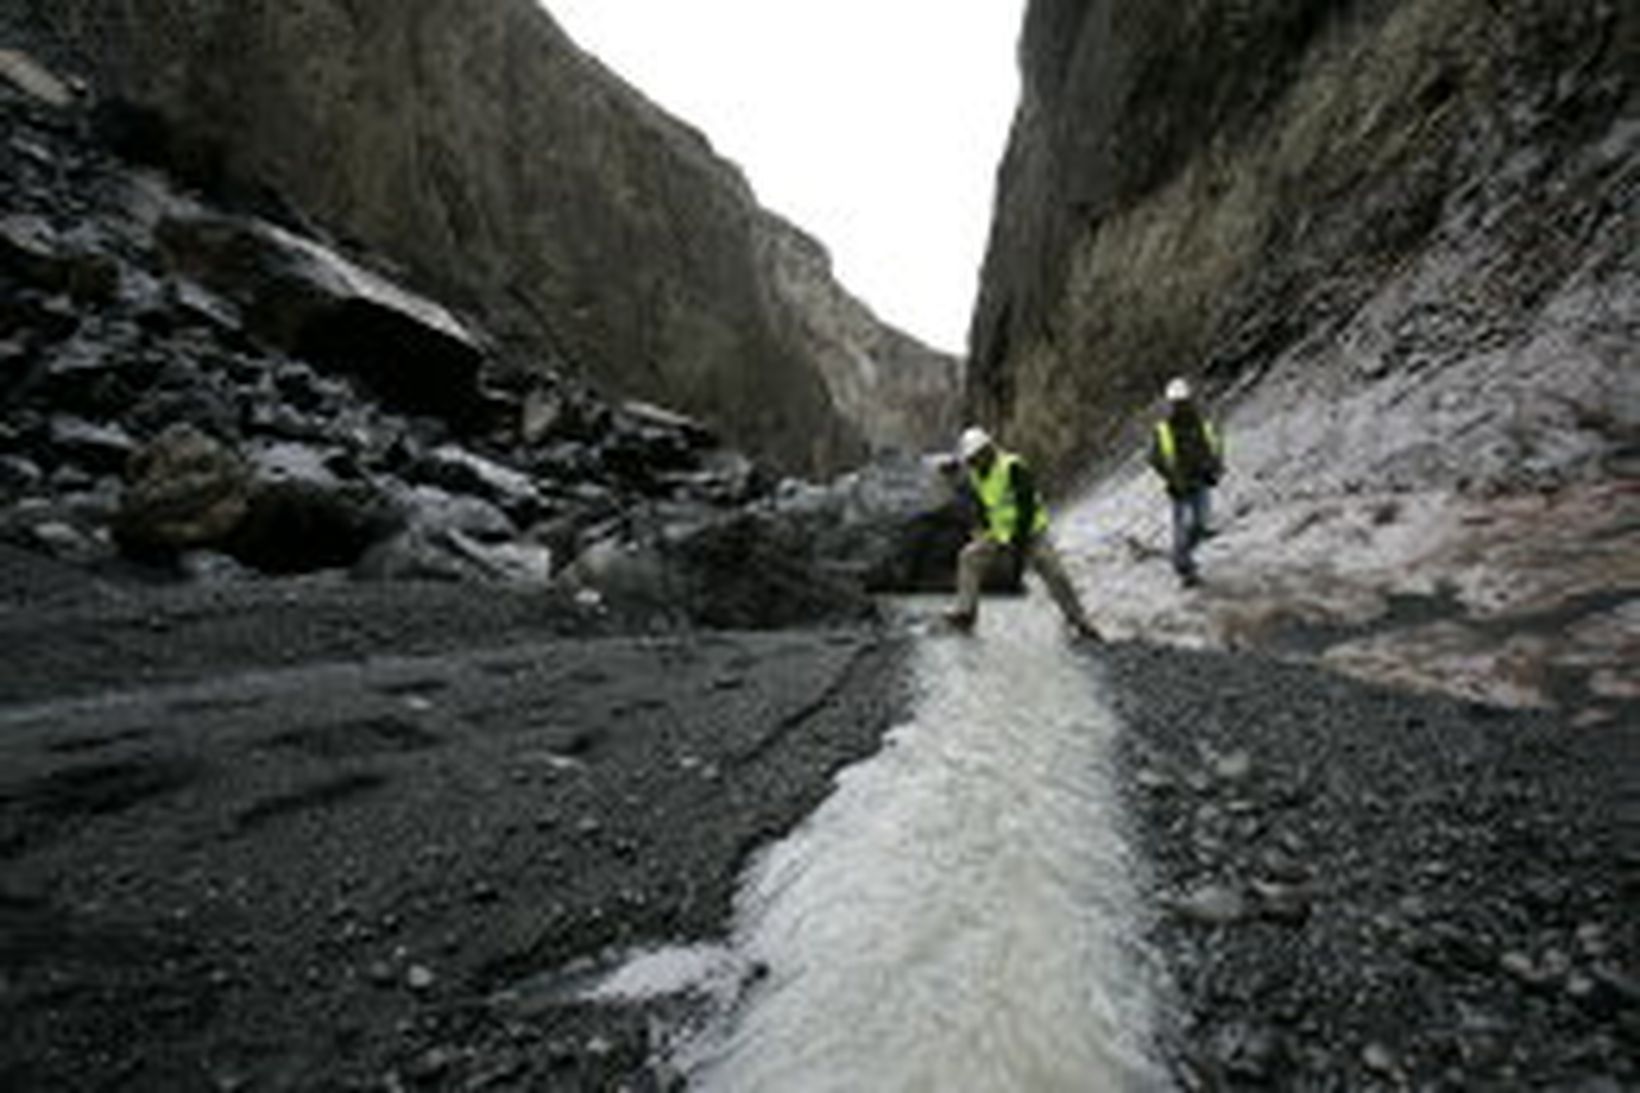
875 125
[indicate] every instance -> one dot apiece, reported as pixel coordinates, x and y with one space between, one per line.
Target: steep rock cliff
901 394
1396 244
1200 187
510 174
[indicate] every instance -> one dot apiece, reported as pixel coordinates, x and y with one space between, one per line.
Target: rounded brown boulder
184 490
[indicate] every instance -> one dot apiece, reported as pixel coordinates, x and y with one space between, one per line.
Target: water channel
961 913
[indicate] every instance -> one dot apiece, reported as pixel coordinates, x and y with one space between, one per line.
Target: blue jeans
1190 512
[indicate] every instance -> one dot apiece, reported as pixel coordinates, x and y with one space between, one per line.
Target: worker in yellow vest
1189 455
1012 517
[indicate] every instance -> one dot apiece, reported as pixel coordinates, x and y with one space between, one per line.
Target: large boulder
32 250
278 510
442 552
737 571
184 490
315 304
452 467
895 525
454 536
302 517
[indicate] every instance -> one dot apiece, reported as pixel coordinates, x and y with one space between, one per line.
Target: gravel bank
1361 888
307 836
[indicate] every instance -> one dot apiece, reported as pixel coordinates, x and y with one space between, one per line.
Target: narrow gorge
469 573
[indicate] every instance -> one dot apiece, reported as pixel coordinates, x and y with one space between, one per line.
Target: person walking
1189 455
1011 517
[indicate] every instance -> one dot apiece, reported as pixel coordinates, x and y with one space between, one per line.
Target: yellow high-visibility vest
1169 445
995 491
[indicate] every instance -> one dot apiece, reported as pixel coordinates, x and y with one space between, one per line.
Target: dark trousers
1190 512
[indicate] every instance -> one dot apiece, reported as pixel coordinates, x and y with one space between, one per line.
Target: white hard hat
1178 390
973 441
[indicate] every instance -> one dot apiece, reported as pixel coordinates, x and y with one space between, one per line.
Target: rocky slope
194 395
1215 188
1396 244
508 174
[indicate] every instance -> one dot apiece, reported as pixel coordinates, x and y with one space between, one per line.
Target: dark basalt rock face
510 174
217 398
201 396
1201 188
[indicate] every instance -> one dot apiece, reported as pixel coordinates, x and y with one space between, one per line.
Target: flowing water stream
961 913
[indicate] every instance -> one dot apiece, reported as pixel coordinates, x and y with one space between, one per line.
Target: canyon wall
1396 245
901 394
1210 188
507 172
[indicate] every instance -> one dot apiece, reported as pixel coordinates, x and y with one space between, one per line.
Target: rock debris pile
221 397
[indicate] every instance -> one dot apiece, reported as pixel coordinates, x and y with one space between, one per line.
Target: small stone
1233 767
1282 902
1521 967
1619 983
432 1063
1153 780
18 475
60 539
1378 1059
1212 905
380 973
1591 939
419 978
1247 1051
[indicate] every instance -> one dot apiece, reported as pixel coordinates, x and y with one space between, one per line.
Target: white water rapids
960 914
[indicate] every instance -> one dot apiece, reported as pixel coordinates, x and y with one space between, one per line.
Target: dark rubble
1356 887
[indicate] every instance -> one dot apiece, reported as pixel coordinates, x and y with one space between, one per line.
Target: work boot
959 620
1085 631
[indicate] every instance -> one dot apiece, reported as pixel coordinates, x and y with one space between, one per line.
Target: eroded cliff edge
509 173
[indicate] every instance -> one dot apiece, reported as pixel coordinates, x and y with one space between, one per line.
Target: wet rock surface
1363 888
